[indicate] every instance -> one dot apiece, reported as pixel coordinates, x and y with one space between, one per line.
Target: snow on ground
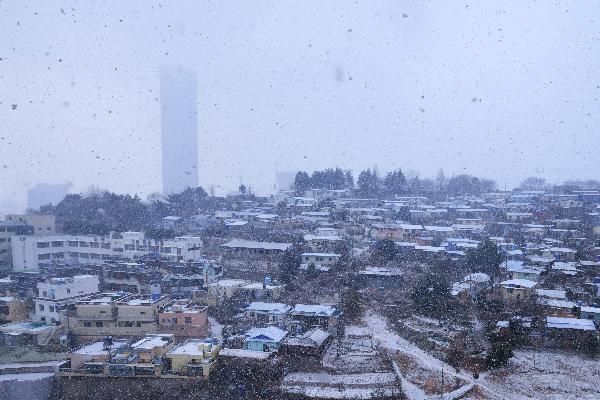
216 329
355 386
369 378
342 392
25 377
30 365
394 342
421 370
546 375
531 374
349 359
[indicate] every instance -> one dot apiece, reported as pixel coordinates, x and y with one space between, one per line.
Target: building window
99 324
43 245
44 294
41 307
51 309
87 324
188 320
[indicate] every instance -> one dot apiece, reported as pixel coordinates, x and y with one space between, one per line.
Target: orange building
184 319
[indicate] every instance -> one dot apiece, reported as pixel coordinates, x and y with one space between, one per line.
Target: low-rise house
194 357
91 357
320 259
310 343
268 313
56 293
560 254
115 314
569 332
380 277
27 333
307 316
244 247
183 319
557 307
529 272
264 339
478 280
565 268
471 285
142 358
224 289
516 289
592 313
387 231
13 309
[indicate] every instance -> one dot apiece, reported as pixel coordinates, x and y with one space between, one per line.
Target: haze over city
504 90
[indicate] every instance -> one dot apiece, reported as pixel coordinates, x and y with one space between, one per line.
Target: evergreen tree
352 304
302 182
395 182
290 265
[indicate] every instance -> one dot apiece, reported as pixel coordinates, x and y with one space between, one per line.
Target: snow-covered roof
438 228
268 334
242 353
252 244
556 303
381 271
312 338
98 348
591 310
477 277
316 309
192 347
409 227
459 287
151 341
526 283
570 323
321 255
309 237
274 308
555 294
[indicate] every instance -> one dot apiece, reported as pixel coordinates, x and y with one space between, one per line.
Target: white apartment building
42 224
28 252
55 293
320 259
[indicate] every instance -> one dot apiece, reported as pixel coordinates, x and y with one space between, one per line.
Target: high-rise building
47 193
179 128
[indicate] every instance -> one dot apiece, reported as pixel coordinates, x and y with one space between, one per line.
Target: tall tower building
179 128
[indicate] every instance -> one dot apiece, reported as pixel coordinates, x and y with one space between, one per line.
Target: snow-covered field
30 365
530 375
547 375
342 386
422 372
25 377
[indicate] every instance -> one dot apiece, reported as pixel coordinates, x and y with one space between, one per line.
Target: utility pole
442 391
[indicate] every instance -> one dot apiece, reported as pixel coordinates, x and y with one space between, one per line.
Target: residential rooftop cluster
293 288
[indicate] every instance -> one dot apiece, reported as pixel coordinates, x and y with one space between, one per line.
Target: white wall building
29 252
56 292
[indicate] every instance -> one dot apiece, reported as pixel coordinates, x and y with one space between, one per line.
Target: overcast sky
504 89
